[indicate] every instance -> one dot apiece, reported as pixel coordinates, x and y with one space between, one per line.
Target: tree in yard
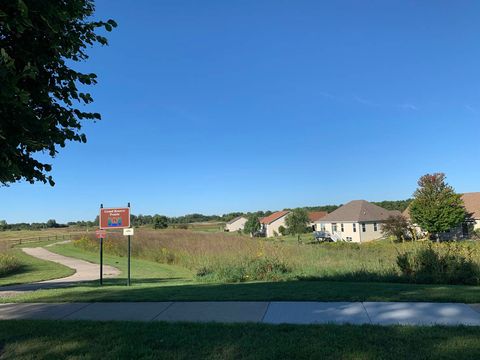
297 222
40 93
397 226
436 207
252 225
160 222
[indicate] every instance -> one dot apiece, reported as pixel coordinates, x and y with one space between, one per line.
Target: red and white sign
114 218
100 234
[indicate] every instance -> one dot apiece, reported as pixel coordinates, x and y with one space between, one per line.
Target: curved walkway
84 271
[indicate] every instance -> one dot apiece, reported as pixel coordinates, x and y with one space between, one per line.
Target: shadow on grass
165 290
131 340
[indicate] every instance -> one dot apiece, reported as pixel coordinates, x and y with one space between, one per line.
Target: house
471 203
270 224
357 221
236 224
314 216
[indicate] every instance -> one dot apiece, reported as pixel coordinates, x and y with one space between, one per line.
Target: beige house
236 224
270 224
471 202
357 221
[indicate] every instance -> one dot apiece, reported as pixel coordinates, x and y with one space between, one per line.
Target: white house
357 221
270 224
236 224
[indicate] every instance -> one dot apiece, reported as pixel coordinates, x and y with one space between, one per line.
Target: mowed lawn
33 270
161 282
134 340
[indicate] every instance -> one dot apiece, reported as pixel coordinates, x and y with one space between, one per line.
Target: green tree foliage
282 230
436 207
40 97
399 205
396 226
252 225
160 222
327 208
52 223
297 222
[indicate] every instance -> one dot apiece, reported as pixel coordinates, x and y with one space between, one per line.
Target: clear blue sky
219 106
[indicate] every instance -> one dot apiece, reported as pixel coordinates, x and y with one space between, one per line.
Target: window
349 238
342 229
375 227
334 227
364 227
322 227
354 227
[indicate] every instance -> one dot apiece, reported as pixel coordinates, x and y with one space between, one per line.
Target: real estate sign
114 218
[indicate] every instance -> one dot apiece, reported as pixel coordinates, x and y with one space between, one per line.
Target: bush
282 230
259 269
8 264
446 263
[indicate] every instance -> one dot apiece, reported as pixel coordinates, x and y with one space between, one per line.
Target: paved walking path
379 313
84 271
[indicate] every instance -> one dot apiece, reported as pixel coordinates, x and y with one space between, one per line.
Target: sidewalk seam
366 312
265 313
73 312
161 312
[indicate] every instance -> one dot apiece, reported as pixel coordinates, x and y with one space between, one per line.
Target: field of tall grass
233 257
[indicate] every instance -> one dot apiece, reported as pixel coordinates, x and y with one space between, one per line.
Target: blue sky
219 106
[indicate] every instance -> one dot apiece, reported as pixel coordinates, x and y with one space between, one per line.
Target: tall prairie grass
8 262
234 257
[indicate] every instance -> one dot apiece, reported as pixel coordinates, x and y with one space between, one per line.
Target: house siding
272 228
238 224
359 236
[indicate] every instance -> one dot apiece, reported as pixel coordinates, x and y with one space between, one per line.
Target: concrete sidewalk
379 313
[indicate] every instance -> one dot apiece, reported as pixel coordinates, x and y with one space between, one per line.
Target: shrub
259 269
8 264
446 263
282 230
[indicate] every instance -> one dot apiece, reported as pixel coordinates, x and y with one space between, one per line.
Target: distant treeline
139 220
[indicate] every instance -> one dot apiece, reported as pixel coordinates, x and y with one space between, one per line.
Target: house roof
316 215
359 210
235 219
471 202
271 218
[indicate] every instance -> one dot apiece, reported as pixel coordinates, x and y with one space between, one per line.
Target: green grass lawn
159 282
134 340
143 271
33 269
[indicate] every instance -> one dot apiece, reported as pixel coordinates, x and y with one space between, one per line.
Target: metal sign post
128 280
101 234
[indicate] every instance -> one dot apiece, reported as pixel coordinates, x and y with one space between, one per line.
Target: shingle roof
271 218
472 204
316 215
359 210
235 219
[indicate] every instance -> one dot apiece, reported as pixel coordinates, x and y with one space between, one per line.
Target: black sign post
101 255
128 280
